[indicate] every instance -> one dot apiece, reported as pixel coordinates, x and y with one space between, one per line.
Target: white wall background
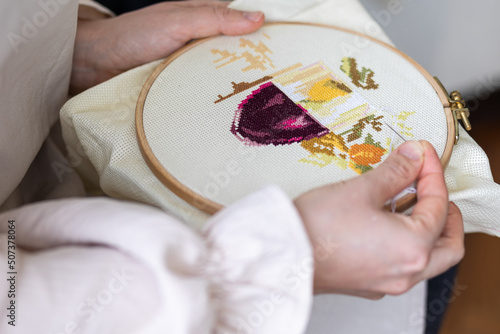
456 40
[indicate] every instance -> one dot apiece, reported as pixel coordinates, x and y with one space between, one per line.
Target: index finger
431 210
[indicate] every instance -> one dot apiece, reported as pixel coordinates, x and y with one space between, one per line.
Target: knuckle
400 286
415 260
458 254
401 170
221 13
394 174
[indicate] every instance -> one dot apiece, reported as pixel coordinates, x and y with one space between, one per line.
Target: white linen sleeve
97 6
105 266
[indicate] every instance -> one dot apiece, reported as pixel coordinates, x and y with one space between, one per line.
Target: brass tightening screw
459 105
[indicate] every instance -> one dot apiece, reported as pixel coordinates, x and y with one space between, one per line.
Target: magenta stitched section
268 116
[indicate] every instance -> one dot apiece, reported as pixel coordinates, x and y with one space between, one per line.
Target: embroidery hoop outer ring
208 206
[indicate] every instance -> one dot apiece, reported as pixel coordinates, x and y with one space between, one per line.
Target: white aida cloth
99 129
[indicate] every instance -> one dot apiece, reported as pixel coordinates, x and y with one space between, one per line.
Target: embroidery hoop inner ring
211 207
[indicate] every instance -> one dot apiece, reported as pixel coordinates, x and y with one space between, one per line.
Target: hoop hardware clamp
458 108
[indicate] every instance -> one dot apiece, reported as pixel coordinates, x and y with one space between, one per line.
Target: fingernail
412 149
253 16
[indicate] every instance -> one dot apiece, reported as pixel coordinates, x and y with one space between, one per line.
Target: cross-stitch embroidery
362 79
254 54
268 116
242 86
312 106
401 118
357 131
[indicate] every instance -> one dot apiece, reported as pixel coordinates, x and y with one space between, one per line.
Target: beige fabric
48 177
100 122
34 80
33 87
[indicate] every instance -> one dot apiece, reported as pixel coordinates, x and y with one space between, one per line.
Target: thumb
213 18
396 173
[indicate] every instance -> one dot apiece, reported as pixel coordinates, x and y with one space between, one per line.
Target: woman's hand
107 47
370 251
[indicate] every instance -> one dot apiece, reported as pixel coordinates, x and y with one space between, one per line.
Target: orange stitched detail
366 154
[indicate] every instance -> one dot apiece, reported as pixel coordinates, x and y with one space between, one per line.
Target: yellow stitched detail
401 119
326 90
322 160
254 55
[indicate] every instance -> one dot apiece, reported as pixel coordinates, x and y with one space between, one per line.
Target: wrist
305 205
82 74
90 55
86 12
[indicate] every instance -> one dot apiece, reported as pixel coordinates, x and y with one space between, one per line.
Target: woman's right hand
363 249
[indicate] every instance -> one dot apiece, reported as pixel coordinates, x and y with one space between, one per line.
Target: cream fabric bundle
99 130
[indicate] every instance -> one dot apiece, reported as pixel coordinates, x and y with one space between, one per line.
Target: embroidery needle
390 127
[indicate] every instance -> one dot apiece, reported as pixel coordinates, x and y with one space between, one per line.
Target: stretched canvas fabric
279 109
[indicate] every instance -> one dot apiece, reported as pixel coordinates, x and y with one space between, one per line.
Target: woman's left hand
107 47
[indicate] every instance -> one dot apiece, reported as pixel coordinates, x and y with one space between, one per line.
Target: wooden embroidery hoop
451 107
